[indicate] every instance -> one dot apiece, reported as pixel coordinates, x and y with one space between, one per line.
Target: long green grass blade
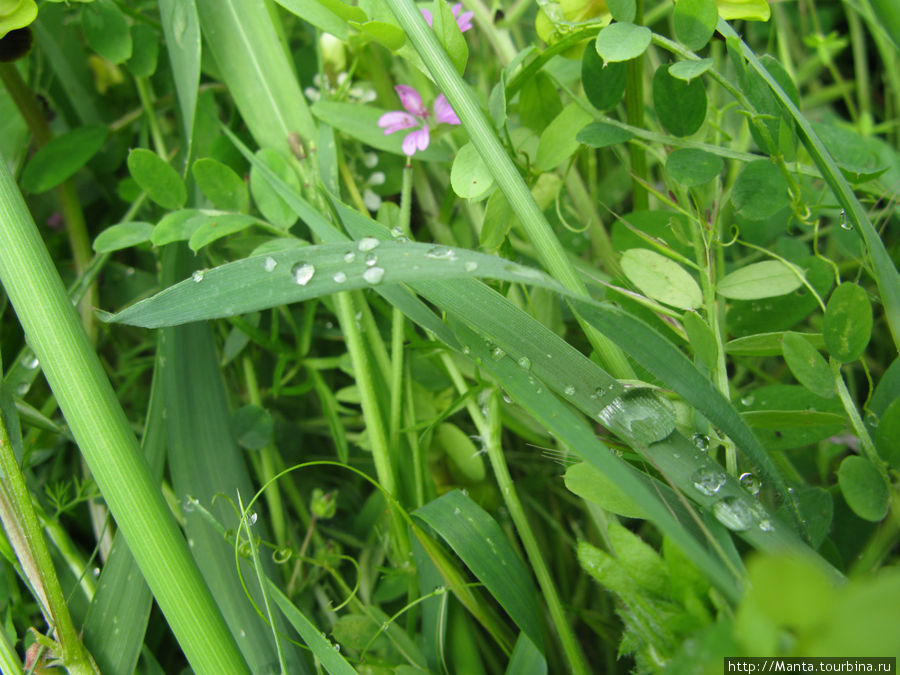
106 440
181 26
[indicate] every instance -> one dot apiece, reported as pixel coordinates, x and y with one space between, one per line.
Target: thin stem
856 421
634 107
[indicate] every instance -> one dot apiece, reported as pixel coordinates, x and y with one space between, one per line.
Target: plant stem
634 107
856 421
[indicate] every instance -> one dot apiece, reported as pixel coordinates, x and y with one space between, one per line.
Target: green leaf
526 659
481 544
469 176
864 489
498 219
159 180
780 420
759 280
320 16
122 235
661 278
622 41
760 190
215 226
680 106
702 339
60 158
177 226
808 365
602 135
181 27
593 485
252 427
688 70
106 30
221 185
887 432
604 83
788 416
385 34
558 143
267 200
461 451
539 102
692 167
146 50
20 15
749 10
448 34
695 22
768 344
848 322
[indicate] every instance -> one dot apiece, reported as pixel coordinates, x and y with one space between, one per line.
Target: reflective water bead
497 353
349 257
371 259
701 441
708 481
302 273
198 275
367 243
269 263
524 362
750 483
471 266
570 390
734 514
339 277
373 275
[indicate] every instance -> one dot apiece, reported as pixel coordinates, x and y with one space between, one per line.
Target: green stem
865 440
488 145
143 90
634 107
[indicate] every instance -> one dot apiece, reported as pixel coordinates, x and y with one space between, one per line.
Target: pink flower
464 22
417 116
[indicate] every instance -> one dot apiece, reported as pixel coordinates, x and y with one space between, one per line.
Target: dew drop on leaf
302 273
708 481
198 275
339 277
374 275
750 483
368 243
701 441
349 257
269 264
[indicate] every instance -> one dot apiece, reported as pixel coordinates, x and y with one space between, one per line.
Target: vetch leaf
106 30
622 10
680 106
887 432
848 322
759 280
252 427
864 489
267 200
622 41
688 70
221 185
557 142
176 226
385 34
768 344
591 484
61 157
461 451
695 22
469 175
808 365
601 135
692 167
320 16
146 50
122 235
661 278
159 180
701 337
449 35
604 83
216 226
760 190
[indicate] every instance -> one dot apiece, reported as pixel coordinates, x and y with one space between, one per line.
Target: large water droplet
524 362
30 361
251 519
269 263
766 525
747 400
371 259
497 353
708 480
844 224
396 231
22 388
198 275
302 273
640 415
471 266
750 483
701 441
349 257
367 243
734 513
441 253
374 275
339 277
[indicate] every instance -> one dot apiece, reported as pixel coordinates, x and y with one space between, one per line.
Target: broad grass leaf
558 141
526 659
622 41
604 83
688 70
695 22
106 30
661 278
692 167
602 135
470 177
817 509
61 157
221 185
181 27
593 485
808 365
122 235
478 540
848 322
750 10
760 190
679 105
157 178
864 488
267 200
765 279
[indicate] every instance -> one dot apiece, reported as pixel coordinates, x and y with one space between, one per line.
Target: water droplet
701 441
734 513
872 419
750 483
251 519
766 525
708 481
466 350
189 504
441 253
471 266
30 361
457 511
747 400
339 277
570 390
396 231
129 271
844 224
506 398
371 259
96 572
373 275
367 243
198 275
349 257
269 263
497 353
337 647
302 273
524 362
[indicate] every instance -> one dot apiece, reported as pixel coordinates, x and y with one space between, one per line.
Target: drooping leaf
680 106
863 487
604 83
808 365
661 278
221 185
60 158
122 235
157 178
622 41
469 176
848 322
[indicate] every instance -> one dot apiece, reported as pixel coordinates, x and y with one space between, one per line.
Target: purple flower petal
396 120
411 100
443 112
427 14
416 140
464 21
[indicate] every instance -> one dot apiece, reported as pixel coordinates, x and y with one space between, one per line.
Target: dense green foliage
381 337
